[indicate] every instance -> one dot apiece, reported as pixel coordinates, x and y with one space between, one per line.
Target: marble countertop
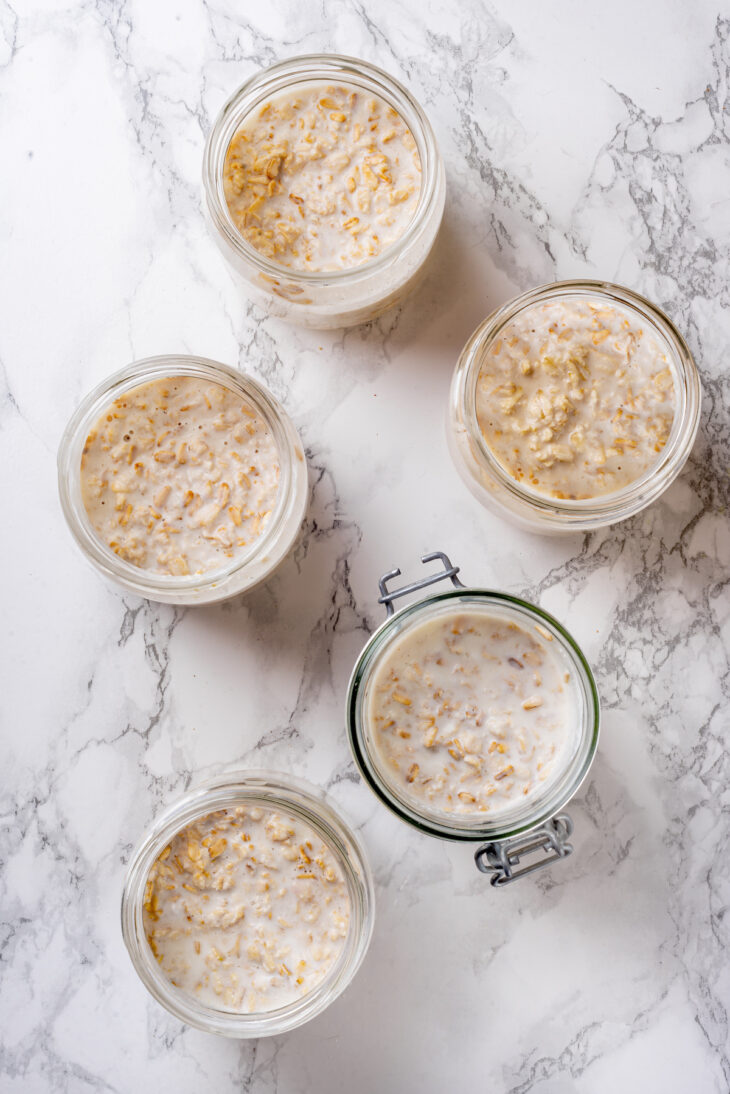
579 139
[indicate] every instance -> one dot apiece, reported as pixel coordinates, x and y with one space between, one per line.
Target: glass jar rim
309 68
458 828
268 789
606 507
286 438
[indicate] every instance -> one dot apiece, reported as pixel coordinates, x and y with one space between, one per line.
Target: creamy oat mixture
247 909
324 177
576 398
179 476
472 713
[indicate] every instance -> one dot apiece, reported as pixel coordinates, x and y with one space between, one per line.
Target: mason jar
261 557
332 298
493 485
293 798
528 834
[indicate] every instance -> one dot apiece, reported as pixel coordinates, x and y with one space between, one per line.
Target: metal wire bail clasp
449 571
501 857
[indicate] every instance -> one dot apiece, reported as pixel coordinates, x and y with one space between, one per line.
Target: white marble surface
579 138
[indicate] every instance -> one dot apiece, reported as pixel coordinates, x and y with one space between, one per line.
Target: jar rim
270 790
309 68
604 508
291 495
459 828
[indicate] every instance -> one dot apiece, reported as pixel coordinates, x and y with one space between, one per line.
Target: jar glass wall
291 797
334 298
492 484
264 553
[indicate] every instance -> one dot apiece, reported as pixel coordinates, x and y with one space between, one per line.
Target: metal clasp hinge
449 571
501 857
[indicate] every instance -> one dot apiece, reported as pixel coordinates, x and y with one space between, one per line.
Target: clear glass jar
299 800
513 831
338 298
264 554
495 487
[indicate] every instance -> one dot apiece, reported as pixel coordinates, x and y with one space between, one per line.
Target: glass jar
333 298
266 551
535 825
498 490
302 802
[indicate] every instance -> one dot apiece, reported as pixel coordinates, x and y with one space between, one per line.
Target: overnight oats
322 178
183 480
576 398
179 476
248 906
324 188
573 406
473 715
246 909
472 712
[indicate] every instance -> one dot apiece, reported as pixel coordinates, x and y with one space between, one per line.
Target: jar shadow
459 289
306 606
